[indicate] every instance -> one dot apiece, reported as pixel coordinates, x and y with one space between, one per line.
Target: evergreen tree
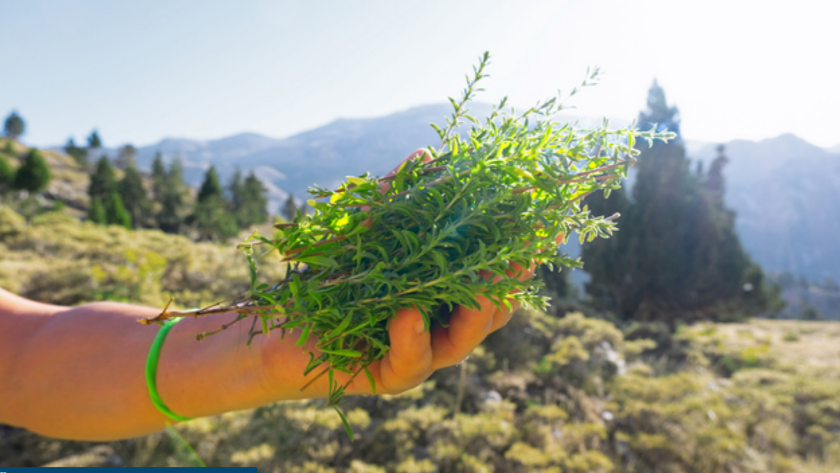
115 212
249 199
173 206
210 188
289 209
96 212
134 196
676 257
94 141
33 175
158 178
7 176
235 187
211 217
126 157
102 181
78 154
255 200
14 126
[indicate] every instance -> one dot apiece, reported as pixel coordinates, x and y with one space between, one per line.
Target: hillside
69 180
58 259
570 394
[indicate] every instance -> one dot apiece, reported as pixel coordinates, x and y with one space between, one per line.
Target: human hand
414 354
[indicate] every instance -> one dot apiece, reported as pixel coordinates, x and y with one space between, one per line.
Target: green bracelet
151 371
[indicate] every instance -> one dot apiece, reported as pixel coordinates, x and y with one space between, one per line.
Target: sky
141 71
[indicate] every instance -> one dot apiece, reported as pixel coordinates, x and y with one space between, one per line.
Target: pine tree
237 197
7 176
211 217
94 141
126 157
210 188
134 196
249 199
255 200
115 212
173 206
158 178
14 126
289 209
102 181
33 175
96 212
78 154
676 257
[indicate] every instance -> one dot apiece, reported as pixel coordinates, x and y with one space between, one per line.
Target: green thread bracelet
151 372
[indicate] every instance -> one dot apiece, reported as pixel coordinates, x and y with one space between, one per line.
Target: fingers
467 328
421 151
385 185
503 314
409 361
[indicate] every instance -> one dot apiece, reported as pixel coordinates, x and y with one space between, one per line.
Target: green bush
33 175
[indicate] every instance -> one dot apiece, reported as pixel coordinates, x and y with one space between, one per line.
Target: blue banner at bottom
90 469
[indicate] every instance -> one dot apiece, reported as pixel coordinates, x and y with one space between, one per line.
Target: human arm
78 372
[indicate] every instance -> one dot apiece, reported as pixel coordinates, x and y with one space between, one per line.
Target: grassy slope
58 259
543 394
69 179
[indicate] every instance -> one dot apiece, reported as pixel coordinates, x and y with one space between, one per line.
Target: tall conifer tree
96 212
254 201
237 197
211 217
173 199
115 211
249 199
289 209
676 257
102 181
134 196
158 178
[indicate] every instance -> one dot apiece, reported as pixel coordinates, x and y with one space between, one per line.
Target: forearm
79 372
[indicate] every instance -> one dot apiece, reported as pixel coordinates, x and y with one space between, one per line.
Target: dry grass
803 343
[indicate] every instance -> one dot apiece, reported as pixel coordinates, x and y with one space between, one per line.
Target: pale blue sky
140 71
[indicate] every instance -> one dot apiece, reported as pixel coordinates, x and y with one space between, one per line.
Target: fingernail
420 326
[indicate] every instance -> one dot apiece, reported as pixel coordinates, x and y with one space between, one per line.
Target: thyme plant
432 234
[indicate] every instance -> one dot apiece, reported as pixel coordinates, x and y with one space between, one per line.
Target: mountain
325 155
786 193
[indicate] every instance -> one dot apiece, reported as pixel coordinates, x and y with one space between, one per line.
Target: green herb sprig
431 234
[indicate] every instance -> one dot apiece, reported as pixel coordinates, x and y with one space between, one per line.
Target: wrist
209 377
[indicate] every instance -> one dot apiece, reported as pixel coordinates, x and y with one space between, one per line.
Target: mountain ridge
784 190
